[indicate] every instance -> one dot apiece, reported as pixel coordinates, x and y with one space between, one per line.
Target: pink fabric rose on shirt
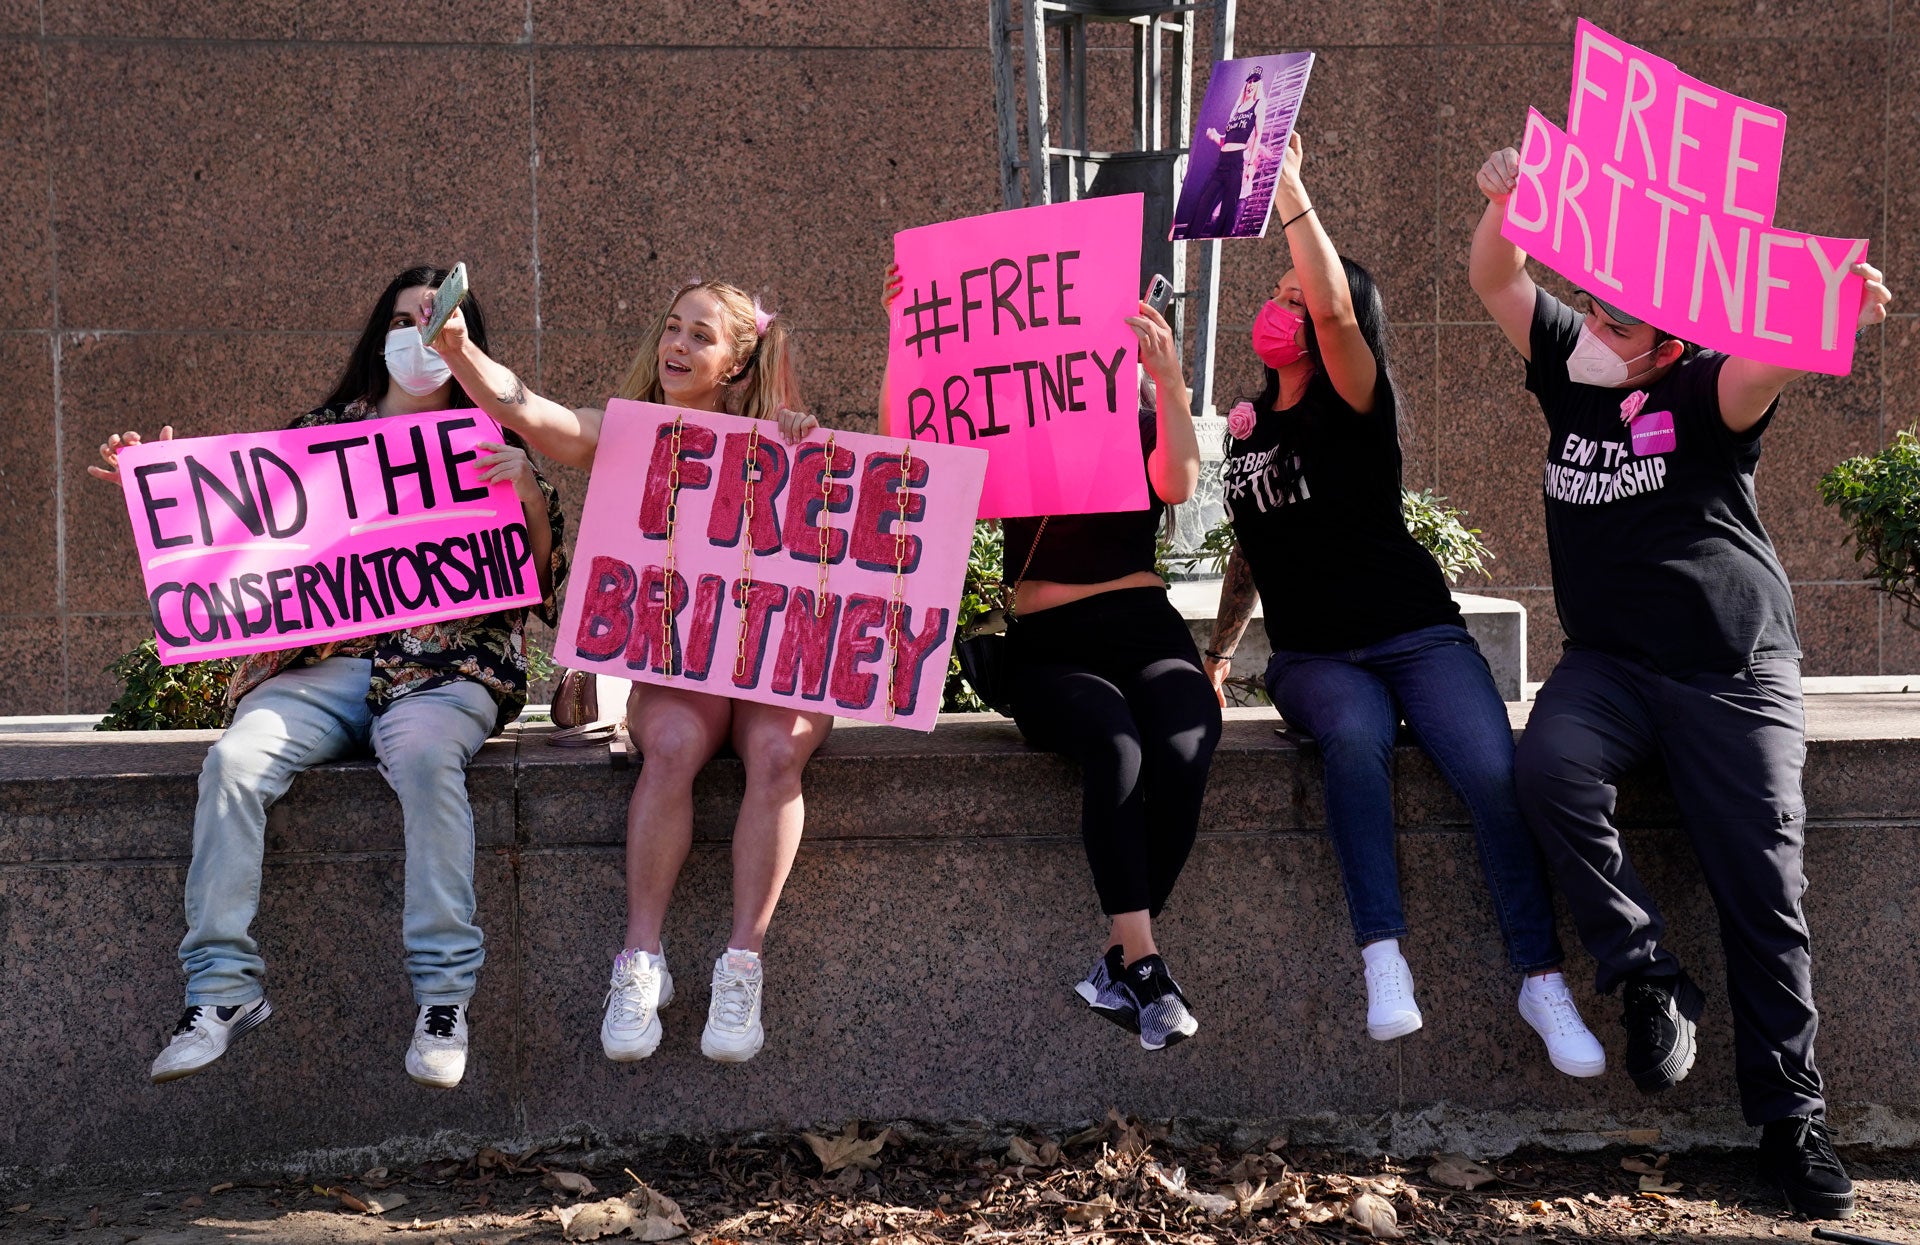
1632 405
1240 421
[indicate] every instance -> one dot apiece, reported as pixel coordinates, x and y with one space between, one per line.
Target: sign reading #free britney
260 541
796 576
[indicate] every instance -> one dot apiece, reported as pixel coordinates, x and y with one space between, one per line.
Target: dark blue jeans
1351 703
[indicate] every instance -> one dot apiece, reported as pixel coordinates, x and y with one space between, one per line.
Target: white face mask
415 366
1592 363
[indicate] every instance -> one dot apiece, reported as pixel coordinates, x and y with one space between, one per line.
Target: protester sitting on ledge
422 700
1680 645
1364 630
711 348
1103 670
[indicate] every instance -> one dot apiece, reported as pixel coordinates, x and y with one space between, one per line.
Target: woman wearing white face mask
1681 645
1364 631
422 701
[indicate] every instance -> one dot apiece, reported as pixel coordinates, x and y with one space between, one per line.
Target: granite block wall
201 200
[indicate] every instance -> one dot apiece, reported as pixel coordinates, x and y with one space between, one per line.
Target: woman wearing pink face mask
1364 630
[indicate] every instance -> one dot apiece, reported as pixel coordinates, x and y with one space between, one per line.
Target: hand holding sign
110 452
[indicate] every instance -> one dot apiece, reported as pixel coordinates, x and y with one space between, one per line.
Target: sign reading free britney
272 540
1659 196
823 576
1011 336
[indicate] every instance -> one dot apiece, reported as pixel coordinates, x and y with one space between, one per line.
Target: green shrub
1442 532
1879 497
979 595
187 697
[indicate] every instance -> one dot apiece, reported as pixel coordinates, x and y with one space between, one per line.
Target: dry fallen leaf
21 1209
642 1214
1639 1164
349 1201
1376 1215
847 1150
569 1182
386 1203
1093 1213
1176 1184
1658 1184
192 1201
1457 1171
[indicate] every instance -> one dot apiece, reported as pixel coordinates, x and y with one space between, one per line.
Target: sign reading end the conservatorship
824 576
272 540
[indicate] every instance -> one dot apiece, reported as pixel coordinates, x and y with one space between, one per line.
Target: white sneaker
641 986
1391 1011
1547 1005
733 1033
203 1035
438 1054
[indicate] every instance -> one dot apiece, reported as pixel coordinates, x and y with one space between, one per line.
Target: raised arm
1344 352
1173 469
562 434
1496 267
1748 388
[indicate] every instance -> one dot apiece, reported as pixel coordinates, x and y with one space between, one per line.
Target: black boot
1797 1155
1659 1015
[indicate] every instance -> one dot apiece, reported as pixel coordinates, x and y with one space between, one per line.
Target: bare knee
674 748
776 757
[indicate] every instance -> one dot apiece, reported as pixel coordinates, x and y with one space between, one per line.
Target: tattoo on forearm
516 395
1237 595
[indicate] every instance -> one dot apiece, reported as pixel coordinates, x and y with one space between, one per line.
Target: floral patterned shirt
490 649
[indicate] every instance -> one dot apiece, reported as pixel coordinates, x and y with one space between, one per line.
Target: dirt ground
1118 1181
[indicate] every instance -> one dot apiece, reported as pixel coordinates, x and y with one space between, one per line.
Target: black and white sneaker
1796 1154
437 1056
1106 995
203 1035
1658 1014
1164 1018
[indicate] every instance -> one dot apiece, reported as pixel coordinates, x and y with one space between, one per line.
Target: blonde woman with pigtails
712 348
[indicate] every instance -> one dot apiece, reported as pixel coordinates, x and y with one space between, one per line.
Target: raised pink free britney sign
784 563
271 540
1010 335
1659 198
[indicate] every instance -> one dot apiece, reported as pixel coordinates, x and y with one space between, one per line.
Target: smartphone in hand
1159 293
452 292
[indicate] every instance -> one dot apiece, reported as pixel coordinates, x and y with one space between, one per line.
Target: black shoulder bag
983 649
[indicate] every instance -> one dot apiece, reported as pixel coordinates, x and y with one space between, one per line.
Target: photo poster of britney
1239 140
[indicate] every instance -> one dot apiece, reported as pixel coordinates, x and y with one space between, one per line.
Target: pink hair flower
1240 421
761 318
1632 405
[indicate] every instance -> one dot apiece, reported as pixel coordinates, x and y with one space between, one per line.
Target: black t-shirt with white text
1652 525
1313 493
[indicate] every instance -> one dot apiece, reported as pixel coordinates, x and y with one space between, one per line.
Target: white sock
751 958
1380 952
1540 984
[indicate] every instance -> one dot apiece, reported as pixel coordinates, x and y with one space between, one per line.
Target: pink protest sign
1659 199
1010 335
823 576
273 540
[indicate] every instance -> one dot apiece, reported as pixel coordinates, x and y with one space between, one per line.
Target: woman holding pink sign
1102 669
1363 627
711 348
422 700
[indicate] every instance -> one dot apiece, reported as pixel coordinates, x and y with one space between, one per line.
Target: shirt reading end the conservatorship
1652 525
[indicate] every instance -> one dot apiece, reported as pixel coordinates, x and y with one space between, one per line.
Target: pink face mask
1274 330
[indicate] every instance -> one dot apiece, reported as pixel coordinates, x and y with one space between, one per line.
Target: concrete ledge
920 968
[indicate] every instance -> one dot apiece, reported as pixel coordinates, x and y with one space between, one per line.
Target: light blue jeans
308 717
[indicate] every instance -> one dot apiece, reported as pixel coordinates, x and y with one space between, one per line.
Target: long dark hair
366 374
1370 312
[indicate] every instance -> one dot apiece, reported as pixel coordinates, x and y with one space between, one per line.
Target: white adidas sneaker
641 986
437 1056
1391 1011
734 1033
1547 1005
203 1035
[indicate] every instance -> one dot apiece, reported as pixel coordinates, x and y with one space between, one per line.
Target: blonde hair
763 381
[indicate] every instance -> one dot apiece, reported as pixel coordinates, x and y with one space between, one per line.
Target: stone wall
202 199
921 965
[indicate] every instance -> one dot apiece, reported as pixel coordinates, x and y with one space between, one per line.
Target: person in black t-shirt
1681 646
1104 670
1216 208
1364 630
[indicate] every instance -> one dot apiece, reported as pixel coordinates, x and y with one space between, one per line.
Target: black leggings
1114 682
